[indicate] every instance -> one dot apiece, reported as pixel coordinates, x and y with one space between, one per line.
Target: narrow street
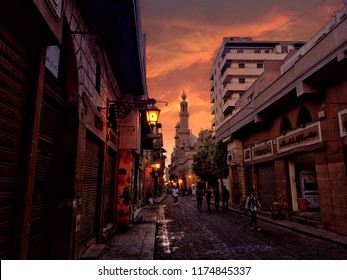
183 233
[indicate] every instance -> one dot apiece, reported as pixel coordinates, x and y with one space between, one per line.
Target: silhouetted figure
200 192
225 198
208 200
216 199
199 197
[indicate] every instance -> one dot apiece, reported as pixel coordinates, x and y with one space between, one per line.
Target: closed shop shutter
109 187
90 191
236 186
52 105
14 92
249 179
267 184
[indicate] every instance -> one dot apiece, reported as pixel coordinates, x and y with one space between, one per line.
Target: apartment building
238 64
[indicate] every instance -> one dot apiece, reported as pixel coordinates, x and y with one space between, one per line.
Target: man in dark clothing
200 192
199 197
225 198
216 199
208 200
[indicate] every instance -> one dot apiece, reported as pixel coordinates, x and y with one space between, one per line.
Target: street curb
308 230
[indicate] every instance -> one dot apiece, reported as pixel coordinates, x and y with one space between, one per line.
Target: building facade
62 62
287 138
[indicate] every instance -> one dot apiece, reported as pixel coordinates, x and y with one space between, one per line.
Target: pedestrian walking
199 195
216 198
208 200
252 206
175 192
225 198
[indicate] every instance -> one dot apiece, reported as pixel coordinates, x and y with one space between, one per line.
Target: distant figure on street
216 199
175 192
252 205
199 195
208 200
225 198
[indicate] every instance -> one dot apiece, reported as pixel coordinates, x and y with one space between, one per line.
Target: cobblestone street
184 233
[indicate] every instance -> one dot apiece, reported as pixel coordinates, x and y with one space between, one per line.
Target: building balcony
249 71
158 143
213 110
249 56
231 88
213 122
231 102
212 86
212 97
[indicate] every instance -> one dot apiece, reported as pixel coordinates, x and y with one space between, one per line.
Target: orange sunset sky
182 37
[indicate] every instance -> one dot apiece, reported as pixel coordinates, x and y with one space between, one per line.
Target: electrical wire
294 19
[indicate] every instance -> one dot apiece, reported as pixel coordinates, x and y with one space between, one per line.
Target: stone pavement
139 241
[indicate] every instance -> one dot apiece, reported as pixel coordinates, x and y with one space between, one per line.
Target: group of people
200 193
252 203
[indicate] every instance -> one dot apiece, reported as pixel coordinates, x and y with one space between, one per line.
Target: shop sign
343 122
262 150
311 134
247 154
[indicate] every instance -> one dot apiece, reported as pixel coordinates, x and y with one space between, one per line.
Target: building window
242 80
242 65
260 65
284 49
98 77
304 117
285 125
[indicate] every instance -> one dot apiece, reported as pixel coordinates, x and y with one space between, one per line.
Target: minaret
183 129
184 115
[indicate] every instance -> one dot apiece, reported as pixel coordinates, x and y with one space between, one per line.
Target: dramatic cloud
183 36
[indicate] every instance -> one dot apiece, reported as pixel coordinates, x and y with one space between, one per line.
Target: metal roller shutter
52 105
236 185
14 92
267 184
90 191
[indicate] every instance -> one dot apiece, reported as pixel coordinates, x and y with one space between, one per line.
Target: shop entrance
306 182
